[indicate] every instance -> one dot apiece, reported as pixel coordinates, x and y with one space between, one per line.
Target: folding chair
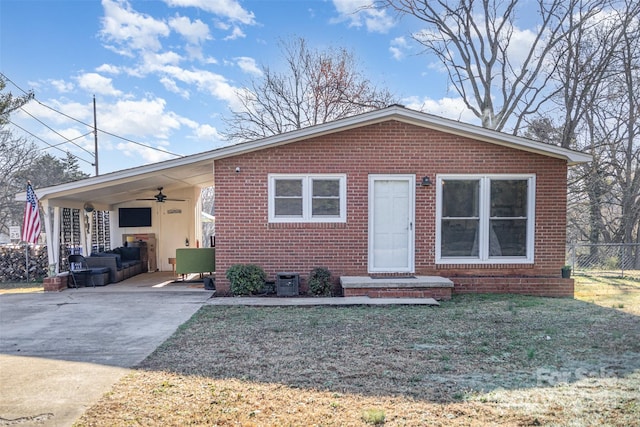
78 266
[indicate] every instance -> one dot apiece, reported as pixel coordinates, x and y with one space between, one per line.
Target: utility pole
95 135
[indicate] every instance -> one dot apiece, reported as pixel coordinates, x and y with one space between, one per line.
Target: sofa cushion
130 253
112 255
127 264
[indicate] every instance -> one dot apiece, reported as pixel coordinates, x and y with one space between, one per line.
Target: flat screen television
134 217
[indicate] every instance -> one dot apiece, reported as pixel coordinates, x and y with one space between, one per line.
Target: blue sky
164 72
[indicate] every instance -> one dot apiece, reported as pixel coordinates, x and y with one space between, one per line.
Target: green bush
246 279
320 282
373 416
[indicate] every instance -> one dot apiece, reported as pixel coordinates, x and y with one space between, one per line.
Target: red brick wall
243 234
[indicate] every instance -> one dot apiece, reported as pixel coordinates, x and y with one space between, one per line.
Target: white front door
391 219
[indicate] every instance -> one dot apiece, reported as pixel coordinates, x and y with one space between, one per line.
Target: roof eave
413 117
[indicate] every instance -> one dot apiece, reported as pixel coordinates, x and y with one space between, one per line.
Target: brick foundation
55 284
536 286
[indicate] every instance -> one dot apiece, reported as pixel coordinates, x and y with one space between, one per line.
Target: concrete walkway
61 351
311 301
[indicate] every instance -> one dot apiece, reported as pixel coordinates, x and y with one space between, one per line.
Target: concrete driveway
61 351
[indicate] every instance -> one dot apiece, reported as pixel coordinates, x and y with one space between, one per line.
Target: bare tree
606 123
585 60
316 87
16 155
502 79
617 118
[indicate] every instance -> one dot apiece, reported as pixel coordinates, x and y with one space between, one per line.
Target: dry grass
20 287
476 360
610 292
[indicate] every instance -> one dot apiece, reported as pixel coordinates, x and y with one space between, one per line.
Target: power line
70 140
85 124
56 132
139 143
51 145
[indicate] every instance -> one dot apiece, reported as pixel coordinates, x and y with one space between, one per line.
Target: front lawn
475 360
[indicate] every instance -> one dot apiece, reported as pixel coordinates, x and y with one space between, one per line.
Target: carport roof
197 170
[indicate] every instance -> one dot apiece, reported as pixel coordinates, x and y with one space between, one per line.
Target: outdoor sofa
123 262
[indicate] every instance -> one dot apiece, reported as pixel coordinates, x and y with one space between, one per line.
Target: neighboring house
389 193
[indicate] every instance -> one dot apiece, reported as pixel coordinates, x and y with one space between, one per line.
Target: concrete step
436 287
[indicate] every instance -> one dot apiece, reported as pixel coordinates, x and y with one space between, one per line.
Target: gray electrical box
287 284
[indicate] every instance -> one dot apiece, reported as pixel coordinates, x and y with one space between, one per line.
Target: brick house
393 202
399 195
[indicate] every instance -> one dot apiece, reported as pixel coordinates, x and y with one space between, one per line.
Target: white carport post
52 229
85 233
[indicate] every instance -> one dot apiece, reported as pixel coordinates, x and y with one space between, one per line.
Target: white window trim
483 256
307 198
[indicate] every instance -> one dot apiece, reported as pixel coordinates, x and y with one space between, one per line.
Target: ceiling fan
161 197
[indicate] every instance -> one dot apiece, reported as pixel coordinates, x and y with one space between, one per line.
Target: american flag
31 226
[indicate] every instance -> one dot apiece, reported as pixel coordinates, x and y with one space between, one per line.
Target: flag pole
26 256
32 224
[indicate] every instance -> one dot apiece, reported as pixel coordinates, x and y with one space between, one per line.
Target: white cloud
236 33
362 13
140 118
229 9
172 86
153 61
61 85
248 65
520 45
220 25
97 84
136 151
81 111
398 48
207 133
131 30
195 52
109 69
205 81
195 32
450 108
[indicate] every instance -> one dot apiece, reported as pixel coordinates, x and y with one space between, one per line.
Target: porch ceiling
107 190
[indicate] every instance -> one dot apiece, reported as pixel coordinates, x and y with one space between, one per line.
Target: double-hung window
307 198
485 219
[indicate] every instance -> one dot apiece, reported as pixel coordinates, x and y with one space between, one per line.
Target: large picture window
485 219
307 198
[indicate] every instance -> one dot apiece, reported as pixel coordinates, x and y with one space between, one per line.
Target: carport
176 221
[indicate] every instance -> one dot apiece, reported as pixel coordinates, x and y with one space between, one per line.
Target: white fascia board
491 136
118 176
413 117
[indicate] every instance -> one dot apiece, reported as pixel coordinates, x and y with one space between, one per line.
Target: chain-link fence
605 259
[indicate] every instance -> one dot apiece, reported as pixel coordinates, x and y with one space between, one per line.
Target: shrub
373 416
246 279
320 282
